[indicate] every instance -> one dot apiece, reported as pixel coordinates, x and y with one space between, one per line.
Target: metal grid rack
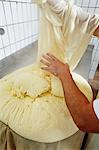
20 19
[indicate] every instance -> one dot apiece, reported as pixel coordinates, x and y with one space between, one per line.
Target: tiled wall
91 6
19 19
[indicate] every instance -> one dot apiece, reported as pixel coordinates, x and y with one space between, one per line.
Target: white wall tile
1 42
91 74
29 12
26 29
27 41
14 12
30 40
22 44
36 12
96 58
19 10
16 29
91 40
5 37
85 9
93 55
95 42
35 27
29 28
24 10
85 2
92 3
18 46
79 2
98 4
21 32
7 50
35 38
97 11
91 10
27 34
2 16
7 10
32 27
2 55
11 34
13 48
32 11
94 66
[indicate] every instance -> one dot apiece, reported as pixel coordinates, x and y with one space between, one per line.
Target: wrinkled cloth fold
65 31
9 140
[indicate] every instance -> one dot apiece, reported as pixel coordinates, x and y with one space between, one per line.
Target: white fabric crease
67 30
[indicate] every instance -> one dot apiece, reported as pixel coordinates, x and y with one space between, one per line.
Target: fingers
45 62
48 58
52 56
45 68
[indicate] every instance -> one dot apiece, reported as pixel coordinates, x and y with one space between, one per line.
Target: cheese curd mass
32 104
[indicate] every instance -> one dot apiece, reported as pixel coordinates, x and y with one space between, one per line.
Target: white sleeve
96 107
91 19
57 4
39 1
53 3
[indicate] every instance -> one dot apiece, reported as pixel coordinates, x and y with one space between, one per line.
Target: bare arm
80 109
78 105
96 33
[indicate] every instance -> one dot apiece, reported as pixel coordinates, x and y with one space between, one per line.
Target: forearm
76 102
